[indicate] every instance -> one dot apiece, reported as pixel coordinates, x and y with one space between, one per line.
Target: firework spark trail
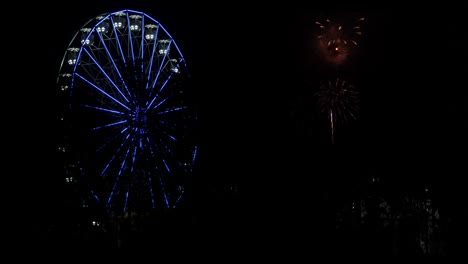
339 100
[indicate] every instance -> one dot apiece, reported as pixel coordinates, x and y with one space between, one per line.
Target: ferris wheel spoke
109 125
150 65
118 176
130 43
156 151
104 39
108 78
161 100
126 201
194 157
158 104
157 94
103 92
164 50
166 151
151 190
165 83
172 109
142 42
163 184
103 110
160 176
170 162
109 58
114 155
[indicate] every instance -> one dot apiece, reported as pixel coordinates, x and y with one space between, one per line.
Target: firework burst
339 100
338 37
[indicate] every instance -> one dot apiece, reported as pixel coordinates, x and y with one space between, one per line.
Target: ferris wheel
127 117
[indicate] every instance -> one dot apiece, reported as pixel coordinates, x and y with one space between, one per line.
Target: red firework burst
338 37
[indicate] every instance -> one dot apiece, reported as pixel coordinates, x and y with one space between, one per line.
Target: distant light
118 24
69 179
103 27
71 61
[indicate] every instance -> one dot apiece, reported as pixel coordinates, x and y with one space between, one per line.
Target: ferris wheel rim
103 17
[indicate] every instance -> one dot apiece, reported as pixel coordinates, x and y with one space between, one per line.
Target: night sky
254 72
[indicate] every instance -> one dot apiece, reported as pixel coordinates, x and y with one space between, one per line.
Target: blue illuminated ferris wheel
127 117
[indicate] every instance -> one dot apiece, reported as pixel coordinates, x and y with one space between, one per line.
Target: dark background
259 130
